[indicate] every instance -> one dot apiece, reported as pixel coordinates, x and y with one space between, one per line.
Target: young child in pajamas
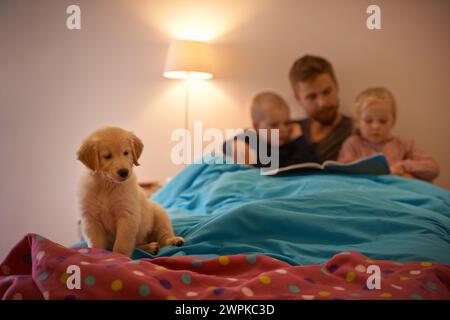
270 111
375 117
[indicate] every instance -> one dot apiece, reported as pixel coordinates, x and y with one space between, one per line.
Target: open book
375 164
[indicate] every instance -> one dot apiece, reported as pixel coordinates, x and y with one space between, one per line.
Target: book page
306 165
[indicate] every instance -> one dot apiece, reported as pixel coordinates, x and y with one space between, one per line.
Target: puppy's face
112 152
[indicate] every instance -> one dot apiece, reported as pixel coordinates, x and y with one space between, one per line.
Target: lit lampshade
188 59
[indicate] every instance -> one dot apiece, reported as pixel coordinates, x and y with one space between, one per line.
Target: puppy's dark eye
125 153
108 156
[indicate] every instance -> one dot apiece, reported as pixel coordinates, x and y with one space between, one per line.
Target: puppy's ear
88 155
136 148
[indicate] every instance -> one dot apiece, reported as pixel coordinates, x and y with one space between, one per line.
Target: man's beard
326 116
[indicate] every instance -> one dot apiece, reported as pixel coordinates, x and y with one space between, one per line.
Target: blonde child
375 117
269 111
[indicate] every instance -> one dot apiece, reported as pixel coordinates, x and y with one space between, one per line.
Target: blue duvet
305 218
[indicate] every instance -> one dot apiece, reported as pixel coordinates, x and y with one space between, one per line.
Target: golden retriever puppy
116 212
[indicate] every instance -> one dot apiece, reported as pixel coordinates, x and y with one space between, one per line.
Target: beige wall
58 85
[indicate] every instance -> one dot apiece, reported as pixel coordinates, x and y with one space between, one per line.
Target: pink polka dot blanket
38 268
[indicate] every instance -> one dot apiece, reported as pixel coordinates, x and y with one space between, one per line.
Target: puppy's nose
123 173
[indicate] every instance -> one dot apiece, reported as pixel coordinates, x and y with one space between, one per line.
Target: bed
294 236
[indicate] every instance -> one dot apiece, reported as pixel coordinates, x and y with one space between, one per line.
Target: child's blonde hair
264 101
370 95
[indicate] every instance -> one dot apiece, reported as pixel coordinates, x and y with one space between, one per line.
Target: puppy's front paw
175 241
152 247
125 251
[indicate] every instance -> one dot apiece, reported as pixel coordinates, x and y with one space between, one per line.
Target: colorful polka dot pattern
106 275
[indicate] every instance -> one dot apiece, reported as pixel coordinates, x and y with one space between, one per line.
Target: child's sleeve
420 164
297 151
238 151
349 151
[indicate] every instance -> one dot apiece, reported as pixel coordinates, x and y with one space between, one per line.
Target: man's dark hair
307 68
